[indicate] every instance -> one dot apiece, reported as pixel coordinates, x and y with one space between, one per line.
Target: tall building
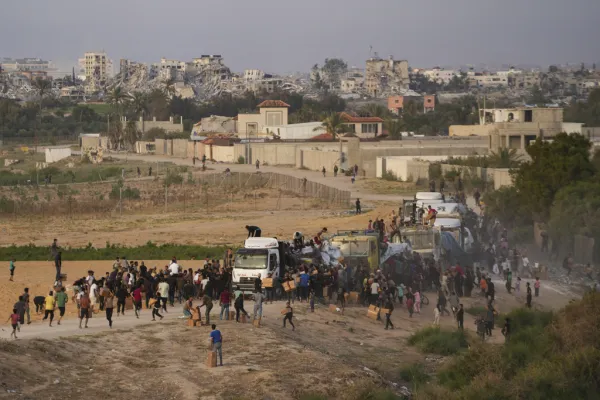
26 64
96 68
384 77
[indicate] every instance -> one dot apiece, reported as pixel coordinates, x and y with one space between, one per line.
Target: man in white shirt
374 292
174 268
163 289
90 278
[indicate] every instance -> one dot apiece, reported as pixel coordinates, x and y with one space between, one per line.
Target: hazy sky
288 35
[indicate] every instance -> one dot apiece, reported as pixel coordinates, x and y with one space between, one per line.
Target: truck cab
423 240
258 256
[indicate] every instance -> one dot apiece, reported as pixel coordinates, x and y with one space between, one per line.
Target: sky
286 36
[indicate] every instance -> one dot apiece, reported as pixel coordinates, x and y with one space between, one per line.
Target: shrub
438 341
476 310
415 374
173 178
241 160
389 176
435 171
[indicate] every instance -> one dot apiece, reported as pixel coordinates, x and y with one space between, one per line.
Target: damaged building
386 77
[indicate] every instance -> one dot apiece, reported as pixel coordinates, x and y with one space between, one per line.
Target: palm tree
394 127
333 124
169 87
504 158
115 134
139 105
117 97
42 87
131 134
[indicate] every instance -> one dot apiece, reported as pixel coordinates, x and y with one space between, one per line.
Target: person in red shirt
137 301
224 303
14 322
431 215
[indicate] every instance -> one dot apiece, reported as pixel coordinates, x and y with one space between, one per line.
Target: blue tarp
453 249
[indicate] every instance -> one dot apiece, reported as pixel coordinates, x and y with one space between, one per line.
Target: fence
175 193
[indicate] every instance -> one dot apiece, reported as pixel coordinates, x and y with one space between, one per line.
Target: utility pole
120 200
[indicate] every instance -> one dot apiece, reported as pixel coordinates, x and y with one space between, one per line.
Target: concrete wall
180 148
161 147
57 154
469 130
141 147
501 177
295 131
399 166
221 153
245 119
169 126
572 127
277 153
315 160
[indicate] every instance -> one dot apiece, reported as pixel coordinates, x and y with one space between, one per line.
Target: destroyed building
386 77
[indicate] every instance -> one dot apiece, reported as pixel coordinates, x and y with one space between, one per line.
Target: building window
369 128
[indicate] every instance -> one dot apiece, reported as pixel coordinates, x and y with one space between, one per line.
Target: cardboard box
267 282
352 297
211 360
384 311
191 322
284 311
373 308
232 315
129 303
63 277
150 303
243 318
256 323
333 308
372 314
289 285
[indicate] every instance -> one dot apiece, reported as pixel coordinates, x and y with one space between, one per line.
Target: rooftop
351 118
273 104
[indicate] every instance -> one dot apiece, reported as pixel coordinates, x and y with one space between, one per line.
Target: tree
158 104
508 206
333 70
537 97
118 98
139 106
554 165
115 135
42 88
553 69
333 124
576 210
394 128
504 158
169 87
131 133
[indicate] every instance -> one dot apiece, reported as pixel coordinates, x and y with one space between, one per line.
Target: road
340 182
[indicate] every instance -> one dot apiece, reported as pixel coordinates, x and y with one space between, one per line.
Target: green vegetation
149 251
503 158
415 374
476 310
439 341
389 175
559 186
548 356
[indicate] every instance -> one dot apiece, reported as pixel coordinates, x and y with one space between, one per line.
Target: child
417 303
156 307
289 313
311 299
11 267
518 288
409 305
14 321
536 285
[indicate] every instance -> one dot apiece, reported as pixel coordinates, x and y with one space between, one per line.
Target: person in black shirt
121 296
506 330
156 307
253 231
528 295
460 317
258 284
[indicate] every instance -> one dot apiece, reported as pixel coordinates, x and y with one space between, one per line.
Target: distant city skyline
284 37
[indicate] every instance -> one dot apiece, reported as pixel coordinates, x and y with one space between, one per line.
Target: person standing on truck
253 231
431 215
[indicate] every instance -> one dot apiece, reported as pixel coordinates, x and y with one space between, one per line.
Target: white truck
258 256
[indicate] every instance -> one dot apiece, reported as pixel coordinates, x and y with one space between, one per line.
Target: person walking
84 308
409 304
109 304
239 304
257 164
536 286
121 296
436 316
417 301
335 170
14 322
61 302
163 292
506 330
324 171
528 295
258 303
49 305
289 313
389 305
156 307
460 317
26 299
11 269
216 339
208 304
224 303
358 208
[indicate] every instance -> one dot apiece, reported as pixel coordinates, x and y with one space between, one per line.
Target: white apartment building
26 64
253 74
440 75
